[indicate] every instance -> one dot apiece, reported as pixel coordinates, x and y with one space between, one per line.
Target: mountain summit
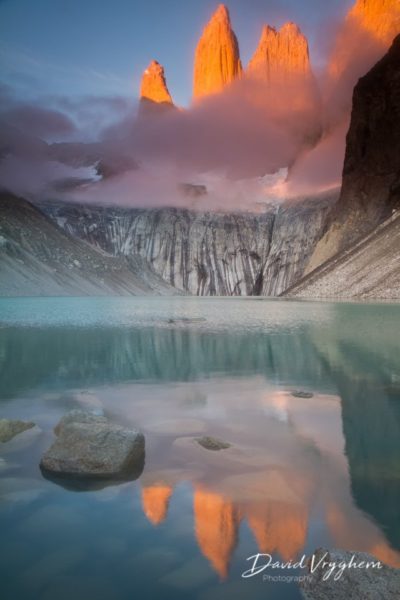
370 25
280 54
154 93
217 60
379 17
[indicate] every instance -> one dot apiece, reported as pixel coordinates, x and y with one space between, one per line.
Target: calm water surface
300 473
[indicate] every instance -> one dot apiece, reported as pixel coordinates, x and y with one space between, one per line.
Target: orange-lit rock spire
217 60
280 54
216 525
380 17
373 23
155 500
153 90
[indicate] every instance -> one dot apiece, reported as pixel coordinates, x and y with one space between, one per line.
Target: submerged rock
212 443
187 320
9 428
301 394
90 447
371 580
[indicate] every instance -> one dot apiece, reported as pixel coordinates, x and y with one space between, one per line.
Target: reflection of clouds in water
276 406
348 527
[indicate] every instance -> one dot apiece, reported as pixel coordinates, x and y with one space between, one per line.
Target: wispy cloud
19 65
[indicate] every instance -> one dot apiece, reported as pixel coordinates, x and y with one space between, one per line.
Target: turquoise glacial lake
300 473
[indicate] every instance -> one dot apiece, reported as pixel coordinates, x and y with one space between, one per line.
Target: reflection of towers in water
216 527
155 501
277 527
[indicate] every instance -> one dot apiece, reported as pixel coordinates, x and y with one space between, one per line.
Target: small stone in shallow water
10 428
301 394
212 443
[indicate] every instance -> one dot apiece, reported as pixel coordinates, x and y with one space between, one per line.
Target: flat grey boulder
79 416
351 576
9 428
90 447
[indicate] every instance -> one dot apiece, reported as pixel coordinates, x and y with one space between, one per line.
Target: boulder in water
90 447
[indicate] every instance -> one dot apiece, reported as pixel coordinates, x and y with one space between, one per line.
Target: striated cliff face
206 253
38 258
371 174
281 55
217 60
154 93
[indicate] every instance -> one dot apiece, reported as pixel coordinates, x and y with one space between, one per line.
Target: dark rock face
206 253
371 175
89 446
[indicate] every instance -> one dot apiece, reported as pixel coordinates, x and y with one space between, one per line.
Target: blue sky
96 47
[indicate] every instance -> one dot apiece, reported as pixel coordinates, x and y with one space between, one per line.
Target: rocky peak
281 54
154 92
217 60
379 17
372 24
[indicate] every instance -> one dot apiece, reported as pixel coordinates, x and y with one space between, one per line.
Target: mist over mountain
275 115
